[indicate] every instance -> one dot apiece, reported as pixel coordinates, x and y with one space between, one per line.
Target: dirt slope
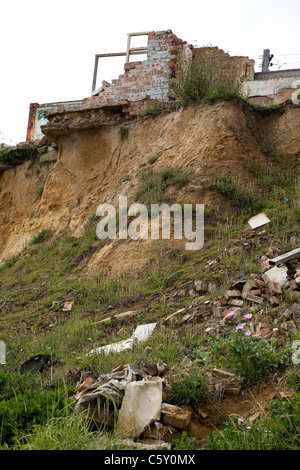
98 165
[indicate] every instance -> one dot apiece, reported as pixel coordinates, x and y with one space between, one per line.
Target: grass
244 198
278 430
51 270
154 184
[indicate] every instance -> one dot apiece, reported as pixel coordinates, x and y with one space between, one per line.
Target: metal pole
266 60
95 73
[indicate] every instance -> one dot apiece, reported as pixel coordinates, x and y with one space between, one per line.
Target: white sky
47 49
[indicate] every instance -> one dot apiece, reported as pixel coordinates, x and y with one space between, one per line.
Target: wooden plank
285 257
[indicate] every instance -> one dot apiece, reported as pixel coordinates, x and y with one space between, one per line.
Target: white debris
141 406
258 220
275 274
141 333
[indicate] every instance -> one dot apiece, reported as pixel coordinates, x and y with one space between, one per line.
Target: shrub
15 156
23 404
206 77
190 391
250 358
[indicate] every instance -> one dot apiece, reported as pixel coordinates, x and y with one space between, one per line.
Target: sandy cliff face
97 165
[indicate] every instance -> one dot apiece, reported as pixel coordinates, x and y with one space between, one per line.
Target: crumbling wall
268 88
141 84
146 82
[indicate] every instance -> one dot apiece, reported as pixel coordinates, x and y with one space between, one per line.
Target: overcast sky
47 48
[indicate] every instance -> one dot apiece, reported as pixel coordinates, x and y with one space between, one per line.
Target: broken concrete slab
141 406
175 416
276 274
258 220
236 303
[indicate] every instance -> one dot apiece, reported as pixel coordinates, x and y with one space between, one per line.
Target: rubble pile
270 299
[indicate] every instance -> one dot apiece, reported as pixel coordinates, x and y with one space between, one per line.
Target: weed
155 157
39 192
232 189
251 359
16 156
124 133
279 430
190 391
42 236
185 442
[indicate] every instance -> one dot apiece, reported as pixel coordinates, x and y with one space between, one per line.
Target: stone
201 286
162 432
218 311
274 288
276 274
233 294
289 325
236 303
175 416
252 298
141 406
49 157
223 374
250 284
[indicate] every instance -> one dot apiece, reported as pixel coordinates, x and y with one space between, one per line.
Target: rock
236 303
252 298
175 416
141 406
276 274
233 294
289 325
193 293
250 284
223 374
162 432
127 444
274 288
201 286
217 312
49 157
